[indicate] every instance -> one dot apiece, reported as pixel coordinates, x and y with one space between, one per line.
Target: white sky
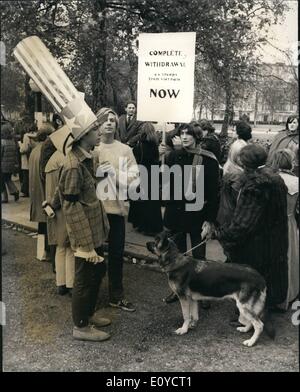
284 36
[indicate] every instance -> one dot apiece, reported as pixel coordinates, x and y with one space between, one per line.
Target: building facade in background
270 99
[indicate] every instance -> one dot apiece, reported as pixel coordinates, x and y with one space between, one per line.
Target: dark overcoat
129 133
176 217
257 234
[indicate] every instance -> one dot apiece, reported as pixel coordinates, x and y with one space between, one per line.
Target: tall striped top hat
55 85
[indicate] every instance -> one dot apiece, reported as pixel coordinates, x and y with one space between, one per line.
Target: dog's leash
201 243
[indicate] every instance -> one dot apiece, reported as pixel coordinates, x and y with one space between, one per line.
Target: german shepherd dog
193 280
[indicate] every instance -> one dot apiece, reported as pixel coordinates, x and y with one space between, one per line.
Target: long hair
148 133
102 116
291 119
207 126
192 130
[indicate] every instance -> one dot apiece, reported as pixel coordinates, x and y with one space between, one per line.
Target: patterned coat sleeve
211 190
247 213
78 225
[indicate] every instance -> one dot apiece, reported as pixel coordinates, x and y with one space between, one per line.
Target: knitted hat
252 156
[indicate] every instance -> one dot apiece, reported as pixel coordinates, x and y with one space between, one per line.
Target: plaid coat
86 221
257 233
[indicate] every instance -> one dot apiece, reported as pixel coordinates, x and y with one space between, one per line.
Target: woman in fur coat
257 234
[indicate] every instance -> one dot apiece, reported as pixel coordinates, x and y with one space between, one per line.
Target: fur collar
262 177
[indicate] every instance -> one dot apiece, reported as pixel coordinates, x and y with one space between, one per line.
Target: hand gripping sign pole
55 85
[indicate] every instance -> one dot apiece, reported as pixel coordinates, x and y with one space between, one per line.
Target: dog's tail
268 324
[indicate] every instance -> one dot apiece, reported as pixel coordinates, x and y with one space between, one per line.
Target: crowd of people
250 203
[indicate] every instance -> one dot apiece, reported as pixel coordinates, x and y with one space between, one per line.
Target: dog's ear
163 241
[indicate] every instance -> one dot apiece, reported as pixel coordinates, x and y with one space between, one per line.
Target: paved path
18 213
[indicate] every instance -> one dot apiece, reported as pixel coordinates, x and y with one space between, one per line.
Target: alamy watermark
159 183
296 314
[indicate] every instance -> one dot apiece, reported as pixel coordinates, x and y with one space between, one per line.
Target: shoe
204 304
90 333
124 305
98 321
62 290
171 298
24 195
16 196
4 201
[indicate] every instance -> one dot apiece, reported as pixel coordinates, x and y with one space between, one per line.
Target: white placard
166 77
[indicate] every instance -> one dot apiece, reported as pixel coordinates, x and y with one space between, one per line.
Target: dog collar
183 260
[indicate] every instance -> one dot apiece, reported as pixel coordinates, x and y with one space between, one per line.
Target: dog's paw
248 343
181 331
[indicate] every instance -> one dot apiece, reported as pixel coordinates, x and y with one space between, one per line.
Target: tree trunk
132 61
116 104
255 109
228 116
29 100
200 111
212 112
98 68
132 90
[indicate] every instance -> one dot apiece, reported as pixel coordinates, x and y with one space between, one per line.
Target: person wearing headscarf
257 234
282 162
288 138
210 140
230 185
244 134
